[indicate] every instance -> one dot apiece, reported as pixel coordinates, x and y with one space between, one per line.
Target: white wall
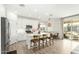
12 17
18 24
21 25
2 13
57 26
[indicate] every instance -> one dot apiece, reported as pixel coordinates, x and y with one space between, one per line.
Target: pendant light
49 21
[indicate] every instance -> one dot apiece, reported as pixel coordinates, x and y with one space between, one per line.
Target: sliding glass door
71 31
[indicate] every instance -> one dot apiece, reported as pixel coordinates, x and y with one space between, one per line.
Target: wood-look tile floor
64 46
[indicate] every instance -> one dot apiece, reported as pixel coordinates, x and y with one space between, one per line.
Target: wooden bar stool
41 39
49 40
34 41
50 37
56 36
45 39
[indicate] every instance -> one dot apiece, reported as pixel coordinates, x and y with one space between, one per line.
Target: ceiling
71 19
43 11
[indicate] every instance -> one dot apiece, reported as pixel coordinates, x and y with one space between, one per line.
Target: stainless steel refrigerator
4 34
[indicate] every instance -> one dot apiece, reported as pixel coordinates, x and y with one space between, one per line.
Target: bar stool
49 38
45 39
34 41
56 36
41 39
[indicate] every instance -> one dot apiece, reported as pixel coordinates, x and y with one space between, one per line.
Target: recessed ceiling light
22 5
